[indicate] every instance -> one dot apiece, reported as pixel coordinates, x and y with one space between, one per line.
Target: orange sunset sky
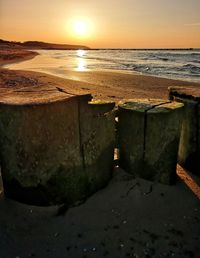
104 23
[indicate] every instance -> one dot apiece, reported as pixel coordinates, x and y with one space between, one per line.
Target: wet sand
106 85
131 217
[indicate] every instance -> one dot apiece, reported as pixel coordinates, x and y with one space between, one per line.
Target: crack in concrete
145 124
80 137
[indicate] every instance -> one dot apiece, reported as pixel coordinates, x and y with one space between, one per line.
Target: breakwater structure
189 148
149 131
56 147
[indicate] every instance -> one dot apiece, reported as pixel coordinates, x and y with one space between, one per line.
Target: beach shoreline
131 217
109 85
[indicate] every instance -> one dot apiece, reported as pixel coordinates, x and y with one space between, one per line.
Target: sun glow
80 28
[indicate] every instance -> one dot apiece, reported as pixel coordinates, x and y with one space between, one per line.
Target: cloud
193 24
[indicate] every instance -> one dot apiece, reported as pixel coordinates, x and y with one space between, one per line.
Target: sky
104 23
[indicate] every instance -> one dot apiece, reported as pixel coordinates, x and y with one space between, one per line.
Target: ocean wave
196 61
163 63
192 68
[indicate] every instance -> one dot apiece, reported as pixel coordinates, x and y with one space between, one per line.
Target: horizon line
106 48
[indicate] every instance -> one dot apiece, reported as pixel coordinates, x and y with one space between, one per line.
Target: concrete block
54 147
189 148
149 133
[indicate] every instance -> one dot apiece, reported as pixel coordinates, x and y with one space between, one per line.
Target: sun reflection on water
81 65
81 62
80 52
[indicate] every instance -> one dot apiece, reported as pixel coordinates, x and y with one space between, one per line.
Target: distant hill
38 45
4 44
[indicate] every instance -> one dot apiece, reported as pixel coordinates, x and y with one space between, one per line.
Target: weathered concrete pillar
97 123
149 133
42 147
189 148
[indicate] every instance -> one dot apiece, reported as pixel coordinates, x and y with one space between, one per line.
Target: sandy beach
131 217
102 85
8 55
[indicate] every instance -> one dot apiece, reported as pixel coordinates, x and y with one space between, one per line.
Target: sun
80 28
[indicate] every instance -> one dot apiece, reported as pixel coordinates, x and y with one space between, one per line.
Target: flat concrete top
140 105
185 92
102 105
166 107
36 95
149 105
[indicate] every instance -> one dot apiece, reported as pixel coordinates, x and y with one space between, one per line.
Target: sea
165 63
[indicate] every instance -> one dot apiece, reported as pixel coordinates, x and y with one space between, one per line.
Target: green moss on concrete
101 102
135 106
